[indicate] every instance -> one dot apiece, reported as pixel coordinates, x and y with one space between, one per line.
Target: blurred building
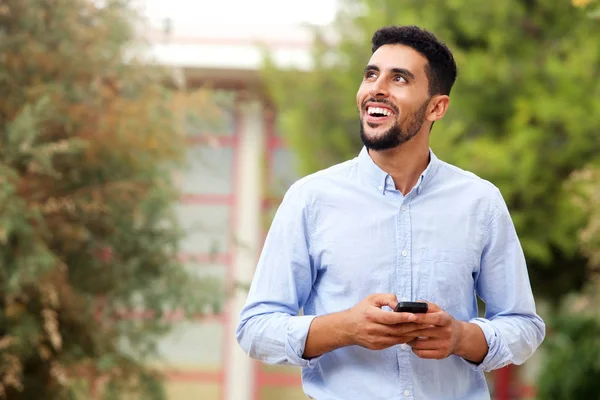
238 170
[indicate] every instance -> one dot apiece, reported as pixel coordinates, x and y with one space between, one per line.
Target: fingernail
411 317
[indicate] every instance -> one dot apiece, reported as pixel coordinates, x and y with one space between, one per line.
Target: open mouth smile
378 114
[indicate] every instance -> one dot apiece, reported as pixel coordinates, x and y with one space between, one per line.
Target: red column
503 381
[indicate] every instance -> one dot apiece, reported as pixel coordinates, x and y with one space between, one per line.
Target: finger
405 329
403 339
426 344
409 328
392 317
383 299
383 342
429 354
432 307
394 340
437 318
428 332
384 331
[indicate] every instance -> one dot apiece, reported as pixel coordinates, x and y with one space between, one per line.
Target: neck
405 163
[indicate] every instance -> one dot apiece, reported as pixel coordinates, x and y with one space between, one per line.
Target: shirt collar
382 181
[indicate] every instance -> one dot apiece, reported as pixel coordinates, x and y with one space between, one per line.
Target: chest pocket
448 278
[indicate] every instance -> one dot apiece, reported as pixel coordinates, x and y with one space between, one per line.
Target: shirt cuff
297 332
498 355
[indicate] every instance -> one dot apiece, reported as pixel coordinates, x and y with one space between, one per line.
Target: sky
188 16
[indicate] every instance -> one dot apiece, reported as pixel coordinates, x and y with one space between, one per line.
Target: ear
438 107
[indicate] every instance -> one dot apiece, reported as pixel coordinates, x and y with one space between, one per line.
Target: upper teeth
377 110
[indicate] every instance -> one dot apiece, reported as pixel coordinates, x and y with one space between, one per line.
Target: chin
373 135
376 131
382 137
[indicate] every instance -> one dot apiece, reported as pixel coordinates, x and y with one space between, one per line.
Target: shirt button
403 208
403 346
380 188
406 393
404 253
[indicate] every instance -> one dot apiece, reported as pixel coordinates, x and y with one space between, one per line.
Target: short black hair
440 70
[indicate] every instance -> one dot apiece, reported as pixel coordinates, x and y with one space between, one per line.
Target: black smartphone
415 307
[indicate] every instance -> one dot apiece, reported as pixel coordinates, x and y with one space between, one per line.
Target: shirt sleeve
512 328
270 328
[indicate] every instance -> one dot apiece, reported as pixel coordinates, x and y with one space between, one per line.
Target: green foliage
572 354
591 6
89 142
585 190
524 112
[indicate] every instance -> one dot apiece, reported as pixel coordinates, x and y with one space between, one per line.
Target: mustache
380 101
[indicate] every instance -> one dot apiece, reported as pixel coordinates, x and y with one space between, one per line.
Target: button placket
404 288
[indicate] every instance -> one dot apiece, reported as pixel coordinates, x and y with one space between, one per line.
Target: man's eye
370 75
399 78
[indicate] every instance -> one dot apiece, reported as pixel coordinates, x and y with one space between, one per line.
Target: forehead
399 56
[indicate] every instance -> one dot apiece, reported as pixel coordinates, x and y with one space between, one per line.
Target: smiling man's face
393 97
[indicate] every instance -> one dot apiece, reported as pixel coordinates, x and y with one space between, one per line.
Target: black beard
395 136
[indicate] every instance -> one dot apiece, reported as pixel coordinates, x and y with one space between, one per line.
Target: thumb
383 299
431 307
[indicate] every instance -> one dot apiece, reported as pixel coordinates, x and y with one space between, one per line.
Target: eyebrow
401 71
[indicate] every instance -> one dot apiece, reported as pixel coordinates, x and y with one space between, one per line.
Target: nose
379 89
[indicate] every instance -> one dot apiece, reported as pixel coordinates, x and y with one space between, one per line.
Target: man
394 224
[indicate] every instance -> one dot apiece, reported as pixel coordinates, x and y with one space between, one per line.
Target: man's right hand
373 328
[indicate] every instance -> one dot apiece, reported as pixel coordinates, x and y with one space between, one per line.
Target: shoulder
471 183
311 186
474 190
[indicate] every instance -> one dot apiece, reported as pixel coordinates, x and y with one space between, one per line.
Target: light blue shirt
345 233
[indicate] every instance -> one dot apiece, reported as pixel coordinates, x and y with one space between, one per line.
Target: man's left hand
441 339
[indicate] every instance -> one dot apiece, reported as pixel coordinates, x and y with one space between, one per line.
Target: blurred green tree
524 112
89 142
585 188
570 369
593 7
571 365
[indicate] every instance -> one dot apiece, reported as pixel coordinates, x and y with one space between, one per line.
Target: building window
208 170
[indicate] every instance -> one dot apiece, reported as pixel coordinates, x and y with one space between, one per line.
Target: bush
572 367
